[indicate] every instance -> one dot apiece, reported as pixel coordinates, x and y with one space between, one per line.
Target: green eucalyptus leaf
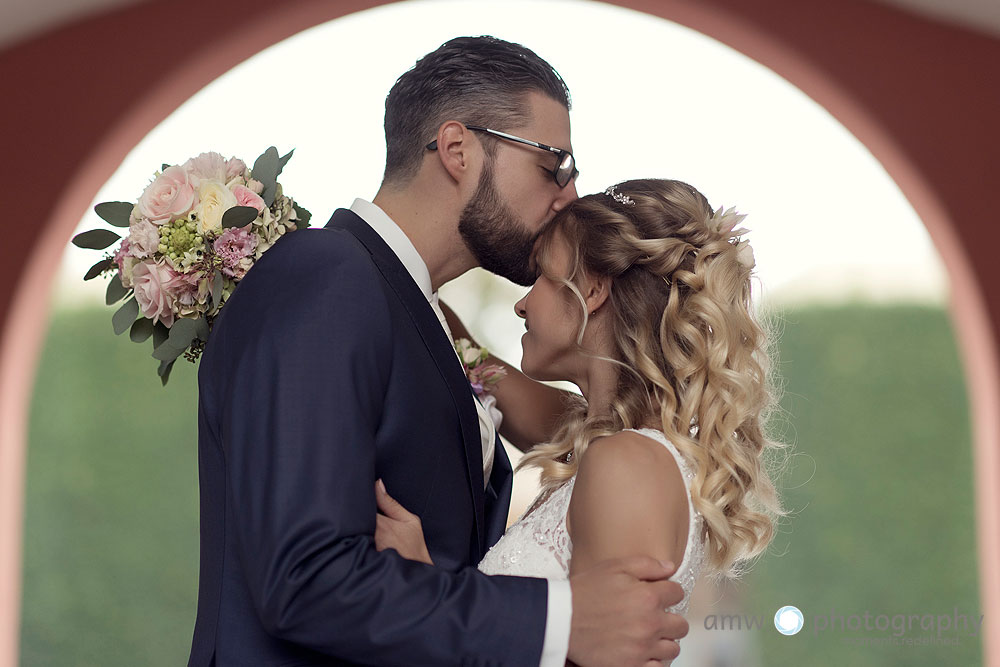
115 213
95 239
182 333
116 291
283 160
269 193
141 330
201 330
167 352
303 215
265 170
160 334
99 268
125 316
164 371
217 285
239 216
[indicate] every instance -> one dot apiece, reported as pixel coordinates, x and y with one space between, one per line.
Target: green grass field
879 486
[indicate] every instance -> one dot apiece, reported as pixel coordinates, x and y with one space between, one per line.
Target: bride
643 301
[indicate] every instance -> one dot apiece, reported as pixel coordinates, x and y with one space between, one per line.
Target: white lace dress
537 545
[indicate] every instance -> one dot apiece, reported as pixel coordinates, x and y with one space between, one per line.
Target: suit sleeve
306 359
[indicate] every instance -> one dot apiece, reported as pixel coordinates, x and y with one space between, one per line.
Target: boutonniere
482 376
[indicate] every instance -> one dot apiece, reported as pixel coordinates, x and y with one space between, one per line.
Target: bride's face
552 317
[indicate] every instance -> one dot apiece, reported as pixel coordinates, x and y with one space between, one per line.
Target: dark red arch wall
922 95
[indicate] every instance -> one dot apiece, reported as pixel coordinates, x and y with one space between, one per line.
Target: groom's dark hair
476 80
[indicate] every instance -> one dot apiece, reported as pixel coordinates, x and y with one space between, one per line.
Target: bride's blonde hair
691 352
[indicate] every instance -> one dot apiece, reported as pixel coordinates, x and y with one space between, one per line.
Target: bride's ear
596 292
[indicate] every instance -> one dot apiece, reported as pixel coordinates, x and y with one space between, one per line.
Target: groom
330 367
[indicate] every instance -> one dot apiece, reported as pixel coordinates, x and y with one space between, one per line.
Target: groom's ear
455 149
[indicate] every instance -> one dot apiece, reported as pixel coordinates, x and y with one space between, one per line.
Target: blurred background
879 482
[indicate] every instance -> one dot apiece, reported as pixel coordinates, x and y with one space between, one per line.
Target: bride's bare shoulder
628 458
629 496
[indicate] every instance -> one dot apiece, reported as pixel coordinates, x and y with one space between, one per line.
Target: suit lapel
440 348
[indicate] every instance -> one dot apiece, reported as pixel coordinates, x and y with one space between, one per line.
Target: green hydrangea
181 243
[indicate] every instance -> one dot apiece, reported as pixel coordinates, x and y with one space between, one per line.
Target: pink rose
247 197
235 167
154 285
235 247
144 239
207 165
255 185
170 196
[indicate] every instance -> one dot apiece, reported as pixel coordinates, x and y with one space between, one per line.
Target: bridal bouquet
193 234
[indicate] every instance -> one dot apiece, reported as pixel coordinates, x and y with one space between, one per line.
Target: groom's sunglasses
565 169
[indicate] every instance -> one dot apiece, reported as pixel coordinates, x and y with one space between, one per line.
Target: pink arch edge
27 322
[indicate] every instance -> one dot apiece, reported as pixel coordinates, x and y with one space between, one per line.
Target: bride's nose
519 308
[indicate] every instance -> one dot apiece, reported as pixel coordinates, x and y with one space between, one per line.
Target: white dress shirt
557 627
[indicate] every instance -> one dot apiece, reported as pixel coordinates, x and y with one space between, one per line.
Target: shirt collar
397 241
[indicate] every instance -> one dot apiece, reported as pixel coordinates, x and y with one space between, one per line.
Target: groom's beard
495 236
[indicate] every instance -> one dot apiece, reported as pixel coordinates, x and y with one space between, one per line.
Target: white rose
216 199
470 355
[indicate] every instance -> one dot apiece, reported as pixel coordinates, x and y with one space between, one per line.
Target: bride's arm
629 499
531 410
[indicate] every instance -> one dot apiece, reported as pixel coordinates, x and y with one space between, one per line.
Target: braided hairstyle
692 356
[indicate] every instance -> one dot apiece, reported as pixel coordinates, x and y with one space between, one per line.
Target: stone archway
889 77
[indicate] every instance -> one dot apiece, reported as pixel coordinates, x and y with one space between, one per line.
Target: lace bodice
537 545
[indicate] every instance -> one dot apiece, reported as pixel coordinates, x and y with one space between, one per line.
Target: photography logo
788 620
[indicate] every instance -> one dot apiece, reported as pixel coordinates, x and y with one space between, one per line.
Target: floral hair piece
622 199
725 222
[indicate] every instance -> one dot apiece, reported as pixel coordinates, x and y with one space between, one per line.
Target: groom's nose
566 195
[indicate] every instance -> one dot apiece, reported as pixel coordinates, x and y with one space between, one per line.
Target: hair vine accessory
622 199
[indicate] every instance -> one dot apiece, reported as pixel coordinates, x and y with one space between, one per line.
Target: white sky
651 98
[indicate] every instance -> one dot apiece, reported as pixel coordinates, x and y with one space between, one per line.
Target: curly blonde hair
691 352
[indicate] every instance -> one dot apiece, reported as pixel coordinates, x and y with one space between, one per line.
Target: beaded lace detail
537 545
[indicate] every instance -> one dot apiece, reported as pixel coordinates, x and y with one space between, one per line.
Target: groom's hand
619 616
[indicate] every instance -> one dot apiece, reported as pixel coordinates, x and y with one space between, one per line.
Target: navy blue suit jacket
326 370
